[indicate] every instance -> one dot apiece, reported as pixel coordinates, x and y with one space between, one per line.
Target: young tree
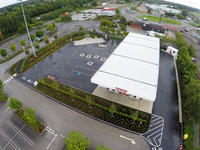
102 148
30 118
13 47
15 104
22 43
3 52
76 141
32 37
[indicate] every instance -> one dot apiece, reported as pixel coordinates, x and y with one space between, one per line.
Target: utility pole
29 37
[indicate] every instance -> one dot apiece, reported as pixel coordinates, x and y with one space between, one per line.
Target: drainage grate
90 63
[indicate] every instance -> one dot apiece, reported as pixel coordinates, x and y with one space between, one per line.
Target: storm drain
90 63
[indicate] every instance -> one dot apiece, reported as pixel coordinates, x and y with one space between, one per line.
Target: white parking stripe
51 142
20 133
8 139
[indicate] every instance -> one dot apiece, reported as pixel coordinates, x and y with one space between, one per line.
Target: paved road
166 104
63 120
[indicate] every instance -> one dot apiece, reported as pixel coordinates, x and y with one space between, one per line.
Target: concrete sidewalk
142 105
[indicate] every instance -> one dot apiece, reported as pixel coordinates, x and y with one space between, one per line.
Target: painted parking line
9 140
20 133
55 133
81 73
154 135
126 138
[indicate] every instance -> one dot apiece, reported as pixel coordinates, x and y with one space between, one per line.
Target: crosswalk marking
7 80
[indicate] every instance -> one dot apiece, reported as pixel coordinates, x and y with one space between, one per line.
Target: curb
55 100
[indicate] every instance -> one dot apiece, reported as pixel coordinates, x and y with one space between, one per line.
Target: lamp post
29 37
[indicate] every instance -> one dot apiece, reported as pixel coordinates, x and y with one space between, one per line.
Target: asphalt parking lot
73 65
15 135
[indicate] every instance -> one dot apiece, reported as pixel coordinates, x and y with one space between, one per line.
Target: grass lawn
157 19
95 106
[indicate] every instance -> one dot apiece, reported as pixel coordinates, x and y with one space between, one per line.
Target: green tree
180 16
102 148
117 10
23 43
32 37
185 12
15 104
3 52
30 118
94 3
76 141
39 33
191 50
66 18
191 103
13 47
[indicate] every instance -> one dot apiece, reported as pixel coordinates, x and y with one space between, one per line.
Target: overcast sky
193 3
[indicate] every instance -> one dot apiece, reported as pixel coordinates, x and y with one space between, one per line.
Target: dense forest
11 19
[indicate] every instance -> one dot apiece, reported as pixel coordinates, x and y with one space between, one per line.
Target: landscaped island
97 107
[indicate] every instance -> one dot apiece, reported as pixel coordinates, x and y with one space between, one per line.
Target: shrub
32 37
15 104
39 33
13 47
3 52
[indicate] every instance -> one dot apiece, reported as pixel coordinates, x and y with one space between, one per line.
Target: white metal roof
133 66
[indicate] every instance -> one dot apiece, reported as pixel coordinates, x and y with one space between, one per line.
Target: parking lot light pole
29 37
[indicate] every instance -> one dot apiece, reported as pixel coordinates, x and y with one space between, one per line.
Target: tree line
190 88
12 21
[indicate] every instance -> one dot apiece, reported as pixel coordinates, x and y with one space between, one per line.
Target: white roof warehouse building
133 68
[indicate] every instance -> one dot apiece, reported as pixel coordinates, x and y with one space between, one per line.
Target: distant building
165 8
